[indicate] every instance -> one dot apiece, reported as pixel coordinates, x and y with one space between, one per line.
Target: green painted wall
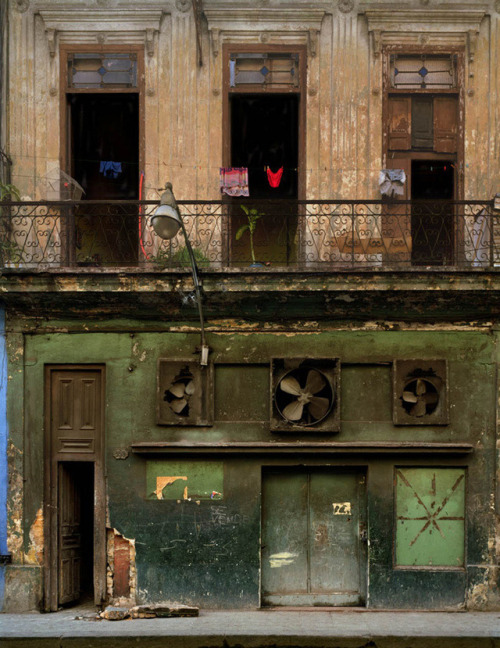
206 551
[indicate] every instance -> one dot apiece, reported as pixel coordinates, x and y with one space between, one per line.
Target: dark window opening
432 221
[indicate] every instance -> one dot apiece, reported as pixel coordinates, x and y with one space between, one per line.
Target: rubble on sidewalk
162 610
152 611
113 613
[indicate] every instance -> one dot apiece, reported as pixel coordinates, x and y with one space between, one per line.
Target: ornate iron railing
331 235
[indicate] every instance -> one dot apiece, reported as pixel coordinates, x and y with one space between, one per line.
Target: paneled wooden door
75 496
69 535
314 538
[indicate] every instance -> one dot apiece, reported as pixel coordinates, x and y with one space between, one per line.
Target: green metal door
313 538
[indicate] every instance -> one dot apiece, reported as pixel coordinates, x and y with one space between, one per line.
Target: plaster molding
82 25
68 18
456 23
183 5
22 5
51 34
345 6
230 23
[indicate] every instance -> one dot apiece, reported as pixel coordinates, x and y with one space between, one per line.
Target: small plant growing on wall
253 215
10 252
9 191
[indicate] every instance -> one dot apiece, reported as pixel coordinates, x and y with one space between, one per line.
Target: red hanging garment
274 178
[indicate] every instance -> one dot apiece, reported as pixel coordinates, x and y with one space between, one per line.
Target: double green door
314 538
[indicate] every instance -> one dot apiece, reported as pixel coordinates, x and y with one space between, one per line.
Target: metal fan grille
420 397
304 396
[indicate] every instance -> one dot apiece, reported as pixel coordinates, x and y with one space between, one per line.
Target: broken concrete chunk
93 616
161 610
115 613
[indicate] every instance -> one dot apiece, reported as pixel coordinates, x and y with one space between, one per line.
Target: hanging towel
274 178
391 182
110 169
234 181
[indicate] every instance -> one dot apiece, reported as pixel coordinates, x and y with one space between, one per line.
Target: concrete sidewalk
254 629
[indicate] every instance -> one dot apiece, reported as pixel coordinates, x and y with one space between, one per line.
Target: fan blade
318 407
293 411
290 385
419 409
409 397
177 389
314 383
178 405
190 388
421 387
431 398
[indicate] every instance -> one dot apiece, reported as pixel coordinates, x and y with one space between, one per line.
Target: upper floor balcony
332 236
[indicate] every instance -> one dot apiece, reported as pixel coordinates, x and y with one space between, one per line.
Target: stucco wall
183 102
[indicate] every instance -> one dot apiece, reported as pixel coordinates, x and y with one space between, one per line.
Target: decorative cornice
226 21
71 18
67 23
457 23
458 18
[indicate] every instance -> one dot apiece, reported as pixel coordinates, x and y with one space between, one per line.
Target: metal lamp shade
166 222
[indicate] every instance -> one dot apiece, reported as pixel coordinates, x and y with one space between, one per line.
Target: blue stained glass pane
423 71
264 71
232 73
396 71
102 71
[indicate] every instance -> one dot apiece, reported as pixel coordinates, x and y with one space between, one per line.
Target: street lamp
166 222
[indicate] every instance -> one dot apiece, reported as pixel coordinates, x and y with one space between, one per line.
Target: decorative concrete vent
305 395
420 392
185 393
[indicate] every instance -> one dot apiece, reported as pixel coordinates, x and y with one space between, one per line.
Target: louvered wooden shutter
399 123
445 124
422 123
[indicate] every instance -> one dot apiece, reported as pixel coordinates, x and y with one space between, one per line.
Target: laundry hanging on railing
274 178
392 182
110 169
234 181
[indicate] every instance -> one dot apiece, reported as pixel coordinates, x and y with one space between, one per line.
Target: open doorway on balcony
101 131
104 148
264 135
264 126
432 222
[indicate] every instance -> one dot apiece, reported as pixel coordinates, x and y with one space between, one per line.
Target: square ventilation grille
305 395
185 393
420 392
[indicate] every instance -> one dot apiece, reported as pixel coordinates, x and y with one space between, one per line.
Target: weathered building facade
340 445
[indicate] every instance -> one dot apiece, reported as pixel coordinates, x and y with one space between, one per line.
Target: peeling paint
35 553
112 536
162 482
281 559
14 504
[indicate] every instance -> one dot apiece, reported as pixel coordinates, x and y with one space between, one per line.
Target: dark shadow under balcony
322 235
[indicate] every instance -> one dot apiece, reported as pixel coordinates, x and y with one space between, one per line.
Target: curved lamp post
166 222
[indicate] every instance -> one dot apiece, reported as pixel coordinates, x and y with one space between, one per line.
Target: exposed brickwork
121 581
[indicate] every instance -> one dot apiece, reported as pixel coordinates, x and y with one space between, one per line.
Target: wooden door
74 515
76 421
313 538
70 535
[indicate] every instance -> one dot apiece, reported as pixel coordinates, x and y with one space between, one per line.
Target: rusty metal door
314 538
70 535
